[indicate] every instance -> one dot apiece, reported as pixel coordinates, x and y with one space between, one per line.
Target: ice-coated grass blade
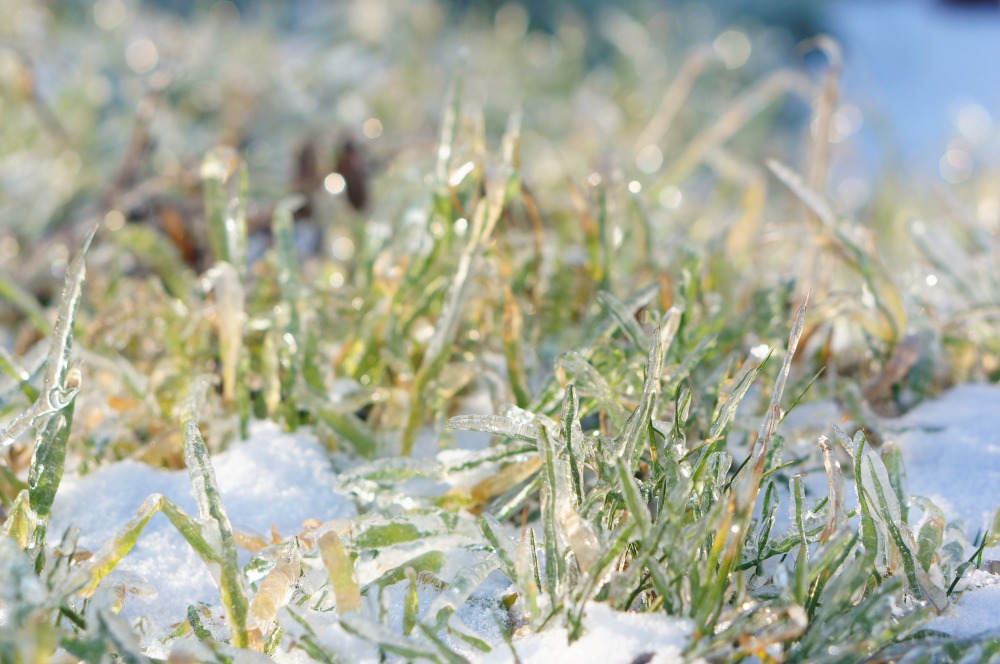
593 383
229 313
892 457
836 517
513 328
630 446
217 533
502 543
633 498
732 403
411 604
869 534
340 570
451 600
488 211
224 190
629 325
889 512
205 541
449 123
52 412
272 593
20 522
496 425
47 465
572 435
554 562
931 535
285 256
55 393
751 482
432 562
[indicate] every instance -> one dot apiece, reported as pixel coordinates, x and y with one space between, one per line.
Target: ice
272 478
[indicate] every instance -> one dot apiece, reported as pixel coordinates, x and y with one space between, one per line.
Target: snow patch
271 478
612 637
951 449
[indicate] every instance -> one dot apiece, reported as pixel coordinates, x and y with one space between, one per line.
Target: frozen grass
521 408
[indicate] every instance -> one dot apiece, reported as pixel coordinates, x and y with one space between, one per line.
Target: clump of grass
636 426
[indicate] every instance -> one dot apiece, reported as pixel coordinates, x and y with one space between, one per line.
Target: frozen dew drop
852 193
974 122
671 197
635 186
109 14
334 183
511 22
649 159
114 220
343 248
141 55
956 166
733 47
9 247
932 280
372 128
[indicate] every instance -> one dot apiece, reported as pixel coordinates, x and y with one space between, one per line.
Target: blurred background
106 106
921 79
741 154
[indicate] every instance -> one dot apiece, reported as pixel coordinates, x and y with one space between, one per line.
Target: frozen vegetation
314 350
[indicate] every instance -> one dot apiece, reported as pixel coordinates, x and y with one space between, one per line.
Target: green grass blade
217 531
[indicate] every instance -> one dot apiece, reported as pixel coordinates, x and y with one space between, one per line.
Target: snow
271 478
611 637
951 449
978 609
